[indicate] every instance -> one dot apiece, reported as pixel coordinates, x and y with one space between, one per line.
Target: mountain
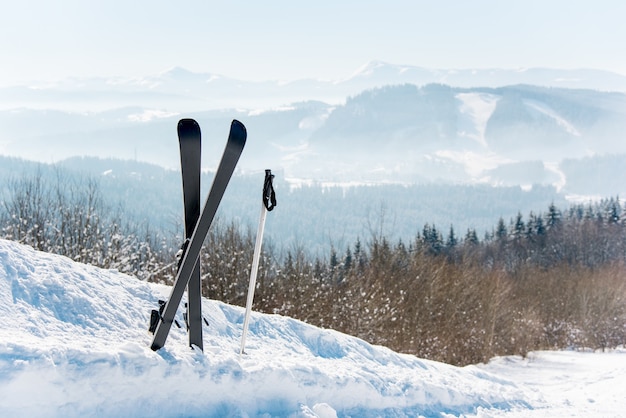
403 132
74 344
181 90
453 134
379 73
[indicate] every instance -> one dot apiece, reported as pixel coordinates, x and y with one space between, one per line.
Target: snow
554 167
150 114
74 343
475 163
551 113
571 383
476 109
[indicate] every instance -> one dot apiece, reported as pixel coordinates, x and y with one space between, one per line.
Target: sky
287 40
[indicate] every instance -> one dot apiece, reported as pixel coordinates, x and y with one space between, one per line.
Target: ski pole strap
269 196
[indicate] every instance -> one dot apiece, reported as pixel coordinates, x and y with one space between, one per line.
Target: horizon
340 78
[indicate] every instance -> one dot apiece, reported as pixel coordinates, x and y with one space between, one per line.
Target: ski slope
74 343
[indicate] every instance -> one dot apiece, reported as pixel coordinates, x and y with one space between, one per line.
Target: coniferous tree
501 231
452 240
471 237
518 227
553 217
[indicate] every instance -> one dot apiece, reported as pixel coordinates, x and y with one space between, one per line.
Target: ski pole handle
269 196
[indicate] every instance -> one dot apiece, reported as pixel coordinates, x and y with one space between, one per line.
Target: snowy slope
74 343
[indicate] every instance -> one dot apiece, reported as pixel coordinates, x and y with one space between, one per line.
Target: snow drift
74 342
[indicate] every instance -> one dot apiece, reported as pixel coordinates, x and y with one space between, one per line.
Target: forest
313 215
543 280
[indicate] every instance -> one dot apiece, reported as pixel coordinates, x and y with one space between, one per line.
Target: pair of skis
197 225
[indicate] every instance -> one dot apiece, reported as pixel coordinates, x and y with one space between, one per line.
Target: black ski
189 140
232 152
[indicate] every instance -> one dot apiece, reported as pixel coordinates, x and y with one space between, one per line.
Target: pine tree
471 237
501 231
553 218
613 211
347 260
518 227
452 241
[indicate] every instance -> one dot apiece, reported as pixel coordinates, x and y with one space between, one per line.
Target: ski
232 152
189 140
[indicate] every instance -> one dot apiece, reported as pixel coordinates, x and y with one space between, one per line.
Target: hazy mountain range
384 123
179 89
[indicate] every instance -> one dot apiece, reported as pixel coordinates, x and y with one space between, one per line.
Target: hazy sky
44 40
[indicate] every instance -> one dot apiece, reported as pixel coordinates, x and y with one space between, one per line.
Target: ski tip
238 131
187 124
187 121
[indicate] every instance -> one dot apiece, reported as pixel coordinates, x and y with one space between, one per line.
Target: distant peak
179 72
369 68
384 69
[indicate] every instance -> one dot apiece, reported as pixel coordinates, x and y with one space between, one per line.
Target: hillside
74 343
404 133
152 195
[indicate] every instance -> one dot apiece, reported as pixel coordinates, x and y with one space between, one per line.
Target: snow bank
74 343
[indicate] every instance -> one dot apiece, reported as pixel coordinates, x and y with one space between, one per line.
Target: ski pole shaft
269 203
253 274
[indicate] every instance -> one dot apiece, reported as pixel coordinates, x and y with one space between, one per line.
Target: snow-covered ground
74 343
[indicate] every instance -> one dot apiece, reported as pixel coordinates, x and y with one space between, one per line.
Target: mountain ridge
401 133
180 89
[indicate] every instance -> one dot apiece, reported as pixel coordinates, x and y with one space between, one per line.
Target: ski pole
269 202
